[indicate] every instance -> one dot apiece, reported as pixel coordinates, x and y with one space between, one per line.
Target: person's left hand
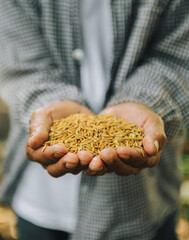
126 160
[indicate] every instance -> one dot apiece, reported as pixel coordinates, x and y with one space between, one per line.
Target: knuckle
48 111
41 111
34 115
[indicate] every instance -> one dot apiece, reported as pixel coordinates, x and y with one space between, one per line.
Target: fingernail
156 144
58 154
124 156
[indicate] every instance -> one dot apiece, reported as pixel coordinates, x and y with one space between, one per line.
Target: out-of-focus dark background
8 219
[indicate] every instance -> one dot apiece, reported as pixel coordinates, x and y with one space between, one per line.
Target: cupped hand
126 160
56 159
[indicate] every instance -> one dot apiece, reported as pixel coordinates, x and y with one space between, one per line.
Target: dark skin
124 161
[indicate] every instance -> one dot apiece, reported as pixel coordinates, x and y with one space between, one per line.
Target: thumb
40 125
42 119
154 136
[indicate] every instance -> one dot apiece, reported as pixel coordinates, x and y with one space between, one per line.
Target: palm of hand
128 161
125 161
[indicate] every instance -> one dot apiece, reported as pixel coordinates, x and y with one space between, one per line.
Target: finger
137 157
154 135
42 119
39 136
89 172
75 168
71 160
133 156
153 143
154 160
96 164
110 157
66 164
51 154
96 167
123 169
85 157
40 125
78 169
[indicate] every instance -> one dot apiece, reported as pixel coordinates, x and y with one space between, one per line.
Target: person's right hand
56 158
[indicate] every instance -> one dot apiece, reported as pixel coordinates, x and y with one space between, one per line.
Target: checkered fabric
150 65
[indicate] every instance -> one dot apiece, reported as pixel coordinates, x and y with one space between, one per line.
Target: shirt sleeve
161 81
29 76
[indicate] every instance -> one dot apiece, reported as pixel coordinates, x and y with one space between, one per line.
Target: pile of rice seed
94 133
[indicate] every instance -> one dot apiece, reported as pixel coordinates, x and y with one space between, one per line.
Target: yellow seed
94 133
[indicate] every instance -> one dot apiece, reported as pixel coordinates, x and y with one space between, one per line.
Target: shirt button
78 54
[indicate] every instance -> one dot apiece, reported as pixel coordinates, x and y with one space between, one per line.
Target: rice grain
94 133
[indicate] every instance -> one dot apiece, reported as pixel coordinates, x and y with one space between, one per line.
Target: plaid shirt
150 65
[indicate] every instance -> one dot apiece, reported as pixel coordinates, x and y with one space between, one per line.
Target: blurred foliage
184 201
4 120
184 210
184 166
